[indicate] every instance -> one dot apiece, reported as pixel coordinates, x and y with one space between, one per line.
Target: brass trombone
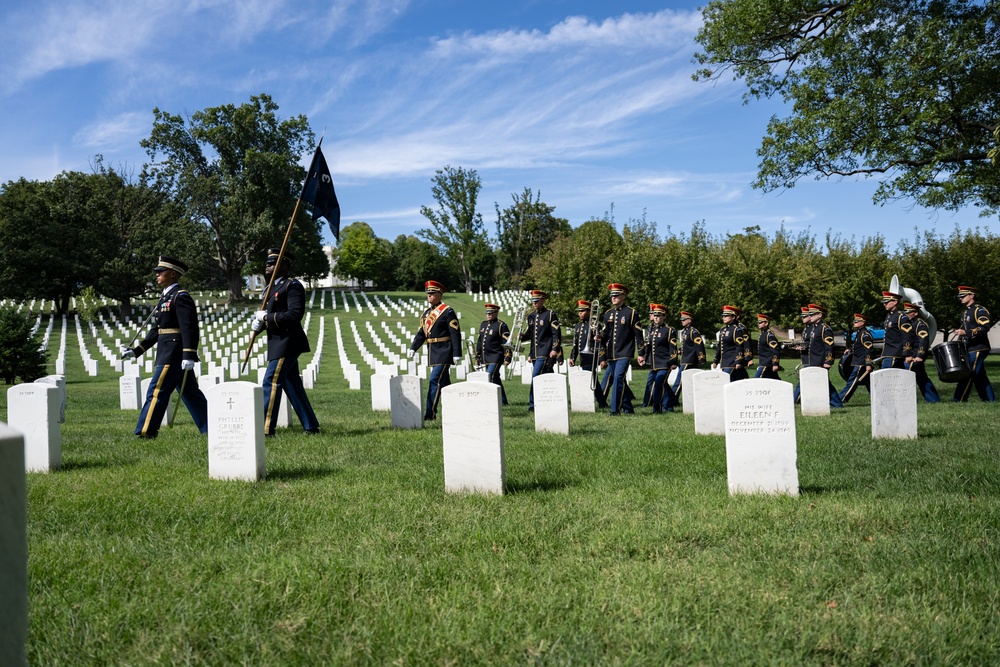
514 341
593 332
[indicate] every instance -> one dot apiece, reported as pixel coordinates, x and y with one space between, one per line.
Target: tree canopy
905 90
235 168
457 227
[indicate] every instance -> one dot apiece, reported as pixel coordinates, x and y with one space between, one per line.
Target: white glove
456 360
127 353
187 364
409 354
256 325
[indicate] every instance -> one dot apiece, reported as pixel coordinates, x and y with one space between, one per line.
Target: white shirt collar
167 289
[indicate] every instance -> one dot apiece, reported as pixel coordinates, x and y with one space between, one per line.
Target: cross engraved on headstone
230 403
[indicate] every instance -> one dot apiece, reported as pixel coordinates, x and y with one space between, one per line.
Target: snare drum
952 361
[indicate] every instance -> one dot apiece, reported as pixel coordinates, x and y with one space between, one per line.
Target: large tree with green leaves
235 168
20 350
902 89
51 241
524 229
362 256
456 227
142 222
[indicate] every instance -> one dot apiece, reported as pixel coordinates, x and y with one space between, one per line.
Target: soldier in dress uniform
581 334
768 349
491 347
649 376
861 359
975 330
807 328
621 334
175 335
733 352
542 329
692 349
439 330
282 319
661 352
896 347
919 349
821 349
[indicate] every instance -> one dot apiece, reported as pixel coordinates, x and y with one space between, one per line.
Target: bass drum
844 365
952 361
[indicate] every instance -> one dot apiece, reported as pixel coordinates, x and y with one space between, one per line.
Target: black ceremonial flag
319 193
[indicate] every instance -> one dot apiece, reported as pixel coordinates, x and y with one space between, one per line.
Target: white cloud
629 31
111 134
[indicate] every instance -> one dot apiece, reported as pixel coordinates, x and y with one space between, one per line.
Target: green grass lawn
616 545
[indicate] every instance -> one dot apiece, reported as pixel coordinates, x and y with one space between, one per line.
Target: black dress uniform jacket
768 349
285 307
439 328
821 345
489 344
861 348
692 346
733 346
661 347
581 332
175 332
897 331
920 343
542 329
976 322
621 330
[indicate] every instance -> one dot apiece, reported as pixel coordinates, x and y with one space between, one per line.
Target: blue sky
590 103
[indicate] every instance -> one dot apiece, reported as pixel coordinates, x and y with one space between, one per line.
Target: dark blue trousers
767 373
662 397
621 393
282 377
859 377
978 378
167 378
438 379
649 388
493 370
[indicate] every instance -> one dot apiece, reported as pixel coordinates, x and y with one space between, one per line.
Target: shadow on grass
91 464
536 485
290 474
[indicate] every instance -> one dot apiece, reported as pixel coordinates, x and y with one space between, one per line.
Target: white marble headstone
894 404
551 404
236 431
478 376
472 427
760 437
405 401
380 392
709 414
58 381
814 391
687 390
13 549
129 393
580 394
33 409
526 370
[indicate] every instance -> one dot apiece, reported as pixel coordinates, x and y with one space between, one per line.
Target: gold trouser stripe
274 395
156 397
964 391
169 331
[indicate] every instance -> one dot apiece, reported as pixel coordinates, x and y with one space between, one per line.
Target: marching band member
542 329
861 359
692 349
622 330
439 330
768 349
732 354
919 340
581 333
897 326
975 326
490 346
661 352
